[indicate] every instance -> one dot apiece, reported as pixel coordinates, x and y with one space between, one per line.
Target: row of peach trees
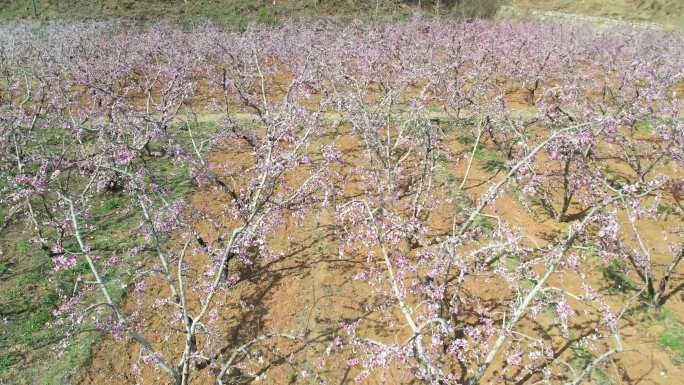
586 124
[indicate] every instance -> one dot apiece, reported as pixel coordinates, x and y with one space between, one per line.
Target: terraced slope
669 12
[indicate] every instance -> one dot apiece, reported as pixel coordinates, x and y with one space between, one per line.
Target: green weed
614 273
490 160
7 360
673 336
583 357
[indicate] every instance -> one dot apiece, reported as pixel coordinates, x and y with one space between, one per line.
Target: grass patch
33 291
484 222
674 340
583 357
665 210
239 13
489 159
4 269
65 369
672 337
615 274
7 360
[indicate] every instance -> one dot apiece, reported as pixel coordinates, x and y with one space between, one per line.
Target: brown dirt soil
311 290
